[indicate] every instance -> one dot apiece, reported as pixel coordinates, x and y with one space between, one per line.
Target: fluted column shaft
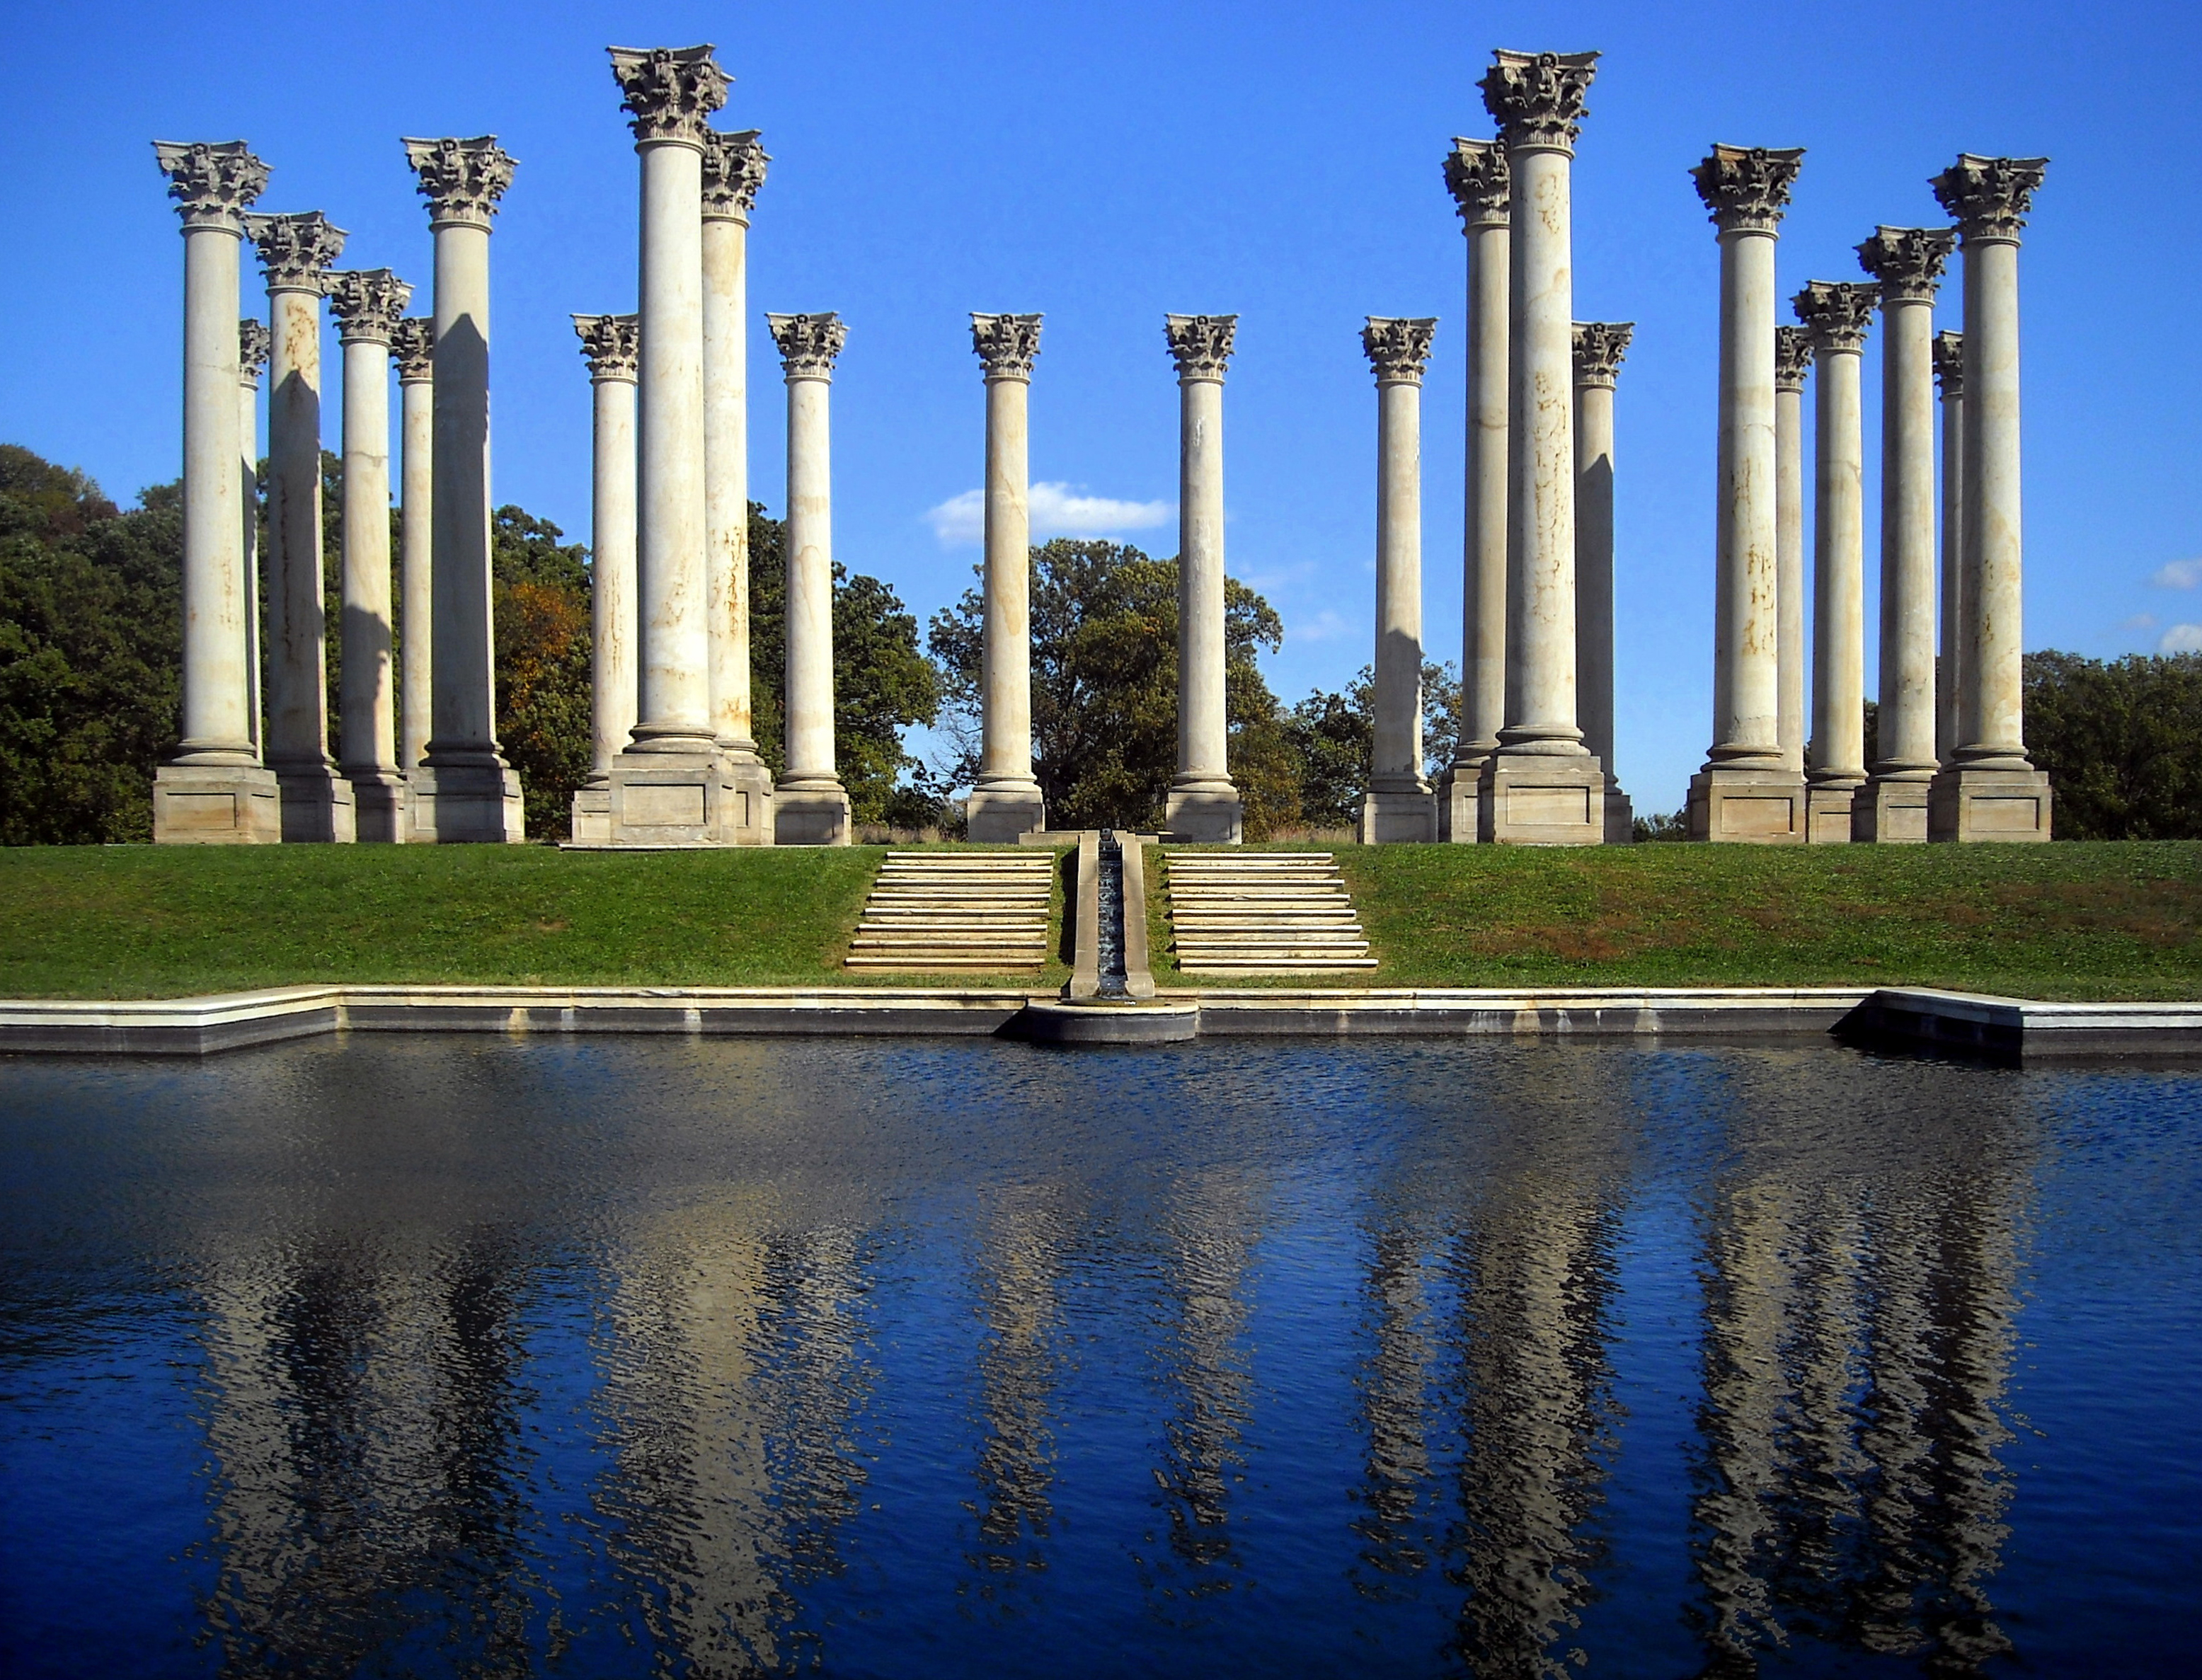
1476 172
1793 357
612 565
733 167
218 727
1747 681
297 680
1204 722
366 703
1950 370
810 757
1599 349
463 681
252 356
1006 677
416 595
1399 350
1838 757
1991 706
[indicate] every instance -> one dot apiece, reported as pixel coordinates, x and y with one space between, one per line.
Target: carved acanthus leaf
670 92
611 344
1989 197
1399 349
412 345
296 251
1599 347
1907 262
808 343
1006 346
1793 357
253 340
733 170
211 181
1950 364
461 179
1476 176
1201 344
367 303
1536 97
1838 313
1747 188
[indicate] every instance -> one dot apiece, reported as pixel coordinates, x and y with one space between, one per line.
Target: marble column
297 251
1990 791
1599 348
413 346
252 344
733 170
1950 375
1475 173
1838 316
1204 807
810 807
1907 262
211 788
1005 799
611 346
1746 791
1398 805
1541 787
1792 361
463 790
367 304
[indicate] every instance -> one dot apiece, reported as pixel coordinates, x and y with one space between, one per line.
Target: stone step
1266 913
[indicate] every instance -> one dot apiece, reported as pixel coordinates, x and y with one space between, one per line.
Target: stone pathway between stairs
981 912
1262 913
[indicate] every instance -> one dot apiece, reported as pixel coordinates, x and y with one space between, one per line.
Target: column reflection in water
1860 1298
1020 1264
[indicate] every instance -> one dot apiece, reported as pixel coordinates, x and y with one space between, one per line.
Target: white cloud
2179 575
1055 510
1325 626
2140 621
2182 638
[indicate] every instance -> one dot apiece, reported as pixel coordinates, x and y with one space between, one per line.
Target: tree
539 598
2122 743
1334 735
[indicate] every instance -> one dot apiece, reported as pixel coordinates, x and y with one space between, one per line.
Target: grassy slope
2058 921
139 921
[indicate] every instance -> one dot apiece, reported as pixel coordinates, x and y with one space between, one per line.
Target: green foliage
1333 736
540 595
2122 743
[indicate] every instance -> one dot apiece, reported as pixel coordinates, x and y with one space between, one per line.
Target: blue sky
1104 163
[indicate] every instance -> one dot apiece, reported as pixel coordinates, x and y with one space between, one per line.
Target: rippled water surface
444 1355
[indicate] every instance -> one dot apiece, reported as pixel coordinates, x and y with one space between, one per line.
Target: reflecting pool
446 1355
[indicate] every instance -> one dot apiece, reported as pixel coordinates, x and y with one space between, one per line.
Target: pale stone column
1838 316
1599 348
1793 359
252 343
413 345
297 251
367 304
1005 800
463 790
1745 792
212 787
1950 375
1908 263
1990 790
1203 807
810 807
611 346
1475 173
733 170
1541 786
1398 806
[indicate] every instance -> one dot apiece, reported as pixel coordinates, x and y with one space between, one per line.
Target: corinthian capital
808 343
1793 357
611 344
461 179
1907 262
413 343
1200 345
1476 176
296 251
1747 188
1599 347
1398 350
252 341
1988 197
1536 97
367 303
1006 346
1837 313
211 181
669 91
733 170
1950 364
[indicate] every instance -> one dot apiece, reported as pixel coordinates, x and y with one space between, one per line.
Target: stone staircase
1262 913
982 913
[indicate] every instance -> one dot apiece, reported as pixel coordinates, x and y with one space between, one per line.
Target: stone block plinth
1752 808
1828 812
1619 818
216 805
1002 816
1455 800
688 799
317 806
1398 818
1890 812
1966 804
382 808
467 804
1196 818
812 816
1530 799
591 823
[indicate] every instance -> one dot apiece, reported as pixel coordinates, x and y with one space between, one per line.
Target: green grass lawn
2070 921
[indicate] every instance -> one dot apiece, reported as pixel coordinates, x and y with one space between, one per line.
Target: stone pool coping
2002 1028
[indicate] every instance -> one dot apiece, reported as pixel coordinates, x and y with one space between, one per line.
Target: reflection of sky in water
413 1356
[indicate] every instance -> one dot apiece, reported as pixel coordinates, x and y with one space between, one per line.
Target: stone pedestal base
317 806
467 804
1966 804
1620 818
812 815
998 816
1890 812
1398 818
382 809
1196 817
702 798
216 805
1753 808
1456 800
1526 799
1828 812
591 823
